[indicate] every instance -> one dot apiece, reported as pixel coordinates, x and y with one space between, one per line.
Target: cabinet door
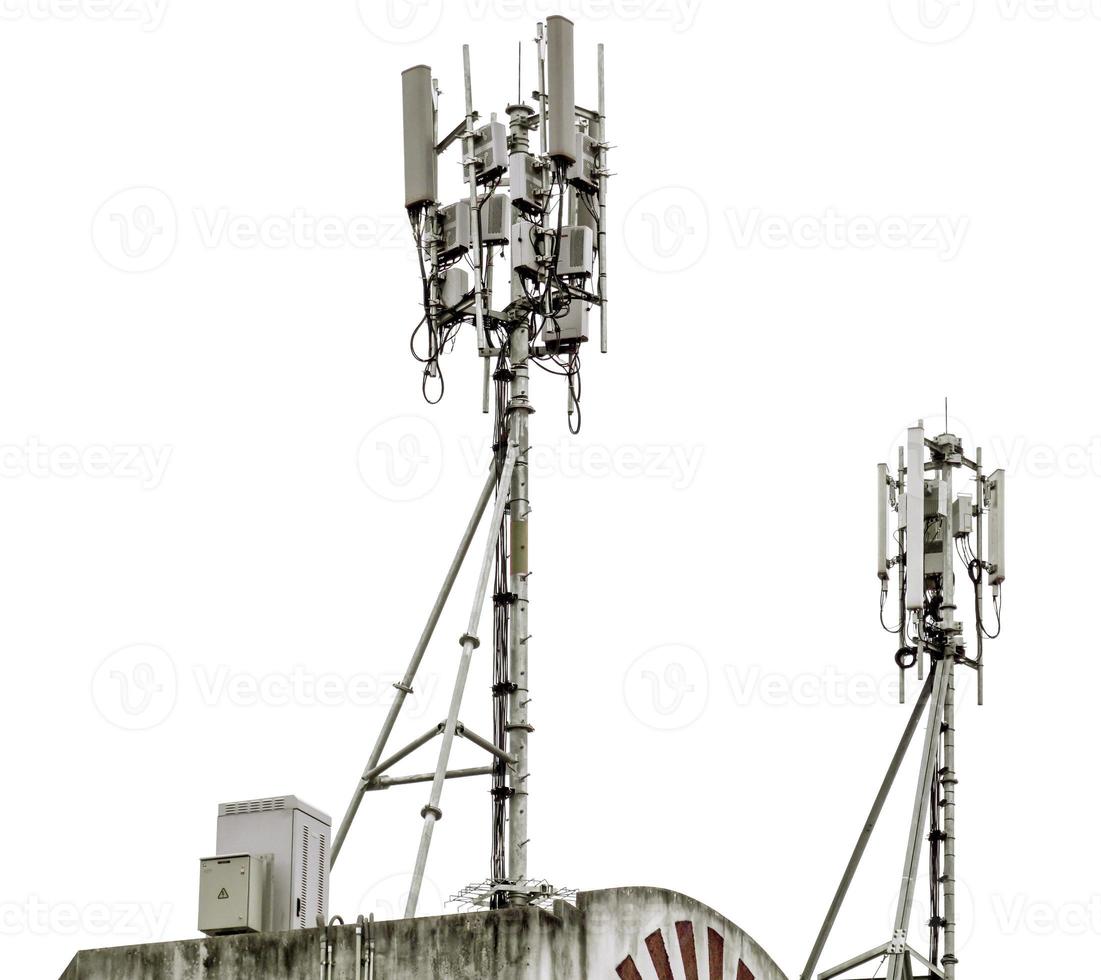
309 869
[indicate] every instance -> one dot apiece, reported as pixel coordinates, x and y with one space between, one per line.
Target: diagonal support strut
431 812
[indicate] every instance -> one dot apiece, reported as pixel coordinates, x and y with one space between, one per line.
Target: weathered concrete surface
629 933
663 934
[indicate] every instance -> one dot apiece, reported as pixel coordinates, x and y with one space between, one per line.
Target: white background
825 218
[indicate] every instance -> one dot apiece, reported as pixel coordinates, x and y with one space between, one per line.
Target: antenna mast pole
935 527
553 223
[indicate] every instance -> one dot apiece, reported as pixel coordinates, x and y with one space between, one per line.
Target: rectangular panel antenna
915 518
561 105
995 485
882 487
418 115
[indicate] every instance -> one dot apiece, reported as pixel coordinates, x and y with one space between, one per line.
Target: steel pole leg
942 674
869 826
517 725
948 783
406 685
432 812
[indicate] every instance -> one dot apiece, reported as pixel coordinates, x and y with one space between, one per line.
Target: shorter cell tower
937 526
545 211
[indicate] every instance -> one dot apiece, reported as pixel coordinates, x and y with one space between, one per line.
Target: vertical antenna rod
471 164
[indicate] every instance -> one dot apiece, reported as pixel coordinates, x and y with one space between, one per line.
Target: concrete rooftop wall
625 933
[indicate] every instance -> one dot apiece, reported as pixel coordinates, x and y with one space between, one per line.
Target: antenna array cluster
544 212
936 526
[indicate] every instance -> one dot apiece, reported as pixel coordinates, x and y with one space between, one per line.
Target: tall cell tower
939 529
543 214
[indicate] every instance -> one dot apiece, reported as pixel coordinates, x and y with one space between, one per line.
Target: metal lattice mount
489 894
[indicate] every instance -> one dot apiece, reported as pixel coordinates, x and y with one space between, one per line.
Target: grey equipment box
296 836
575 253
455 230
571 327
231 894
